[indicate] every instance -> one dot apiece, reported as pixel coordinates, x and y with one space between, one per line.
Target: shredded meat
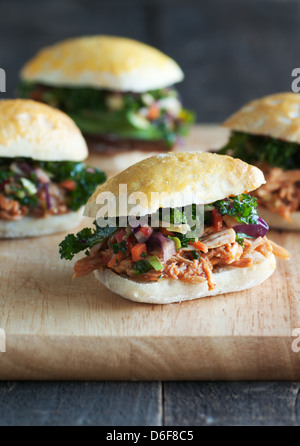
183 266
281 193
57 197
11 209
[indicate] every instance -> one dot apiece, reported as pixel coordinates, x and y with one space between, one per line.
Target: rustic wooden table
150 403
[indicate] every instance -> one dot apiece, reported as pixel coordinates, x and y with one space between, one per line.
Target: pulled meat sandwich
170 261
266 133
43 181
118 91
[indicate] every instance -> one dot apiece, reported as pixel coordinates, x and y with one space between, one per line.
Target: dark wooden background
149 404
231 51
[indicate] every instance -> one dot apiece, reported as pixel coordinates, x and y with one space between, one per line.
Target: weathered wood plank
234 403
80 404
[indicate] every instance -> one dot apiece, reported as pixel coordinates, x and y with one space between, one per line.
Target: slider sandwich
266 133
192 230
119 92
43 180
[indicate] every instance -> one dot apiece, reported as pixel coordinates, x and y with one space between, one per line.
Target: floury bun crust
180 179
165 291
34 130
277 116
107 62
36 227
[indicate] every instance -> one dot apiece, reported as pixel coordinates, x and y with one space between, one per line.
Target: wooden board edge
141 358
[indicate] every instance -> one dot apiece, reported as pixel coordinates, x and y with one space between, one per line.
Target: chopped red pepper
120 235
68 184
217 220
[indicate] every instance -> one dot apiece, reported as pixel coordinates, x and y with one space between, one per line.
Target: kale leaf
83 240
257 148
242 207
142 267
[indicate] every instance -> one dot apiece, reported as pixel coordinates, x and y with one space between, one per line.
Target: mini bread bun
277 116
36 227
275 221
180 179
34 130
165 291
106 62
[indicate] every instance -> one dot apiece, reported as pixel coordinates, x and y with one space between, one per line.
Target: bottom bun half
275 221
35 227
227 280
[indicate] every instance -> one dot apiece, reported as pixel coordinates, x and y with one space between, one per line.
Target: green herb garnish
116 247
83 240
257 148
242 207
142 267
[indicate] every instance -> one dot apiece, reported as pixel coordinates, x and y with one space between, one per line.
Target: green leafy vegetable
240 238
142 267
242 207
185 241
83 240
116 247
256 148
19 181
97 111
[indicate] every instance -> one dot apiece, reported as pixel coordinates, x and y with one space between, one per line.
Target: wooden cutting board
59 328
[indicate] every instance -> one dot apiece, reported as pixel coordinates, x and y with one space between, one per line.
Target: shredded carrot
137 251
199 245
153 112
115 260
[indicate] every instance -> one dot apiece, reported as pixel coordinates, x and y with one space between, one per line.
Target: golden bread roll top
107 62
34 130
177 180
277 116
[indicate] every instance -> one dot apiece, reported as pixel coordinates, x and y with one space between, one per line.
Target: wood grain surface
59 328
150 403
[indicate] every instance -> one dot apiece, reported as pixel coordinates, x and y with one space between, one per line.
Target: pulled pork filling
280 162
41 189
233 235
281 193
